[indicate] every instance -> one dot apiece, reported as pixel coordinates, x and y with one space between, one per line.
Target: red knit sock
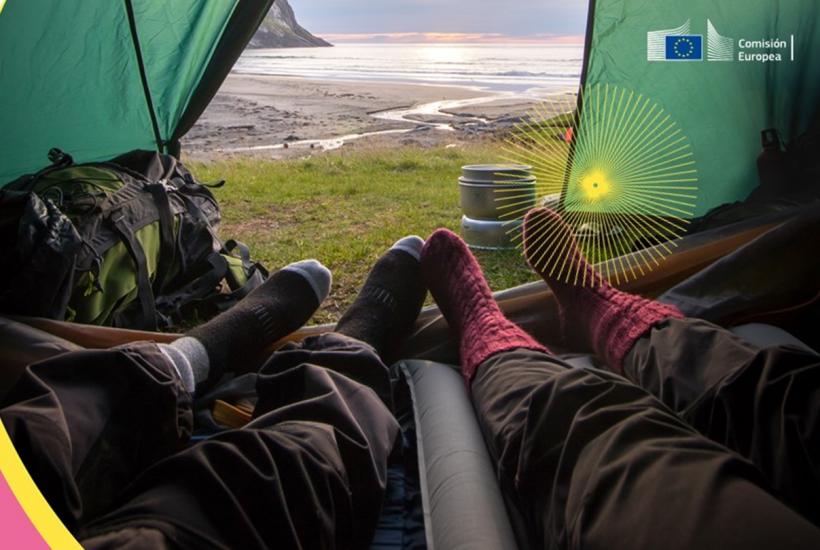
455 279
593 313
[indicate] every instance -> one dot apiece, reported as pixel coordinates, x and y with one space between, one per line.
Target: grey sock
319 277
412 245
190 359
390 300
276 308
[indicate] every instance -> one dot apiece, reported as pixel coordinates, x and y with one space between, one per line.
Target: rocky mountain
281 30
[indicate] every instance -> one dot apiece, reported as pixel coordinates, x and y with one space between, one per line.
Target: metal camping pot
490 235
494 201
491 194
496 173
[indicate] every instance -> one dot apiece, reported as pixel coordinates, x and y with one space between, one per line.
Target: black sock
390 300
279 307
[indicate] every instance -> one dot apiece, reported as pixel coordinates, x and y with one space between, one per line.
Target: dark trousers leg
87 423
593 461
308 472
761 403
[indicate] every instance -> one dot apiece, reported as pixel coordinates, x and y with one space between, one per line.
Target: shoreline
287 116
376 81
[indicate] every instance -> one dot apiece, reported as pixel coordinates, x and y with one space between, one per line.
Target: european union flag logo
684 47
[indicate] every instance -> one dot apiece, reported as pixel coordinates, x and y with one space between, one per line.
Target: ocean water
501 68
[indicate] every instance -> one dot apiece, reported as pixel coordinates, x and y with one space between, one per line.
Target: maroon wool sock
593 313
455 279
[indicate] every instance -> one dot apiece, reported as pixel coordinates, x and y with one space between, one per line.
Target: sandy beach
278 116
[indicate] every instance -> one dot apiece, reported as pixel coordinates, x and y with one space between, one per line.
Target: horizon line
451 38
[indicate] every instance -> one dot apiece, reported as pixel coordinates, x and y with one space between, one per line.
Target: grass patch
347 207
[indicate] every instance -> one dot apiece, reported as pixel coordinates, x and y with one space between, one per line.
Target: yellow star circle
690 47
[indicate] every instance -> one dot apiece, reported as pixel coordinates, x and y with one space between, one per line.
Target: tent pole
132 22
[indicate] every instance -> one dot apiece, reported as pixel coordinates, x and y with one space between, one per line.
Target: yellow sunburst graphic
622 175
595 185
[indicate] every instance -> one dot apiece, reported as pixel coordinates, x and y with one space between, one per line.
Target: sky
404 21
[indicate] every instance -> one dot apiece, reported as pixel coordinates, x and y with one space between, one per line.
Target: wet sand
278 116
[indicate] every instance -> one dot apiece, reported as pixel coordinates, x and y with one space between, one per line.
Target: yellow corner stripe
2 5
25 491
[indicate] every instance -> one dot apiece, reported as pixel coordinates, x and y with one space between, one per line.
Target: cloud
449 38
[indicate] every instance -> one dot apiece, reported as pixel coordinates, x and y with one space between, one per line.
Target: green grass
345 208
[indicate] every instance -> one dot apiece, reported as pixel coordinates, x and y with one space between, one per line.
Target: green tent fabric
720 105
100 77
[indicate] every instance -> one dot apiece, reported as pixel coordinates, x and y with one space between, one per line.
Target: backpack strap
144 290
244 252
255 273
111 209
58 159
127 193
100 241
199 294
167 248
170 305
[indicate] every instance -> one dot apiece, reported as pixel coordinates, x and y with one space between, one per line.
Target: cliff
281 30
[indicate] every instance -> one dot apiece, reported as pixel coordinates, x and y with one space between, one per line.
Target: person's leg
372 328
761 403
87 423
310 470
278 307
595 316
590 459
390 300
